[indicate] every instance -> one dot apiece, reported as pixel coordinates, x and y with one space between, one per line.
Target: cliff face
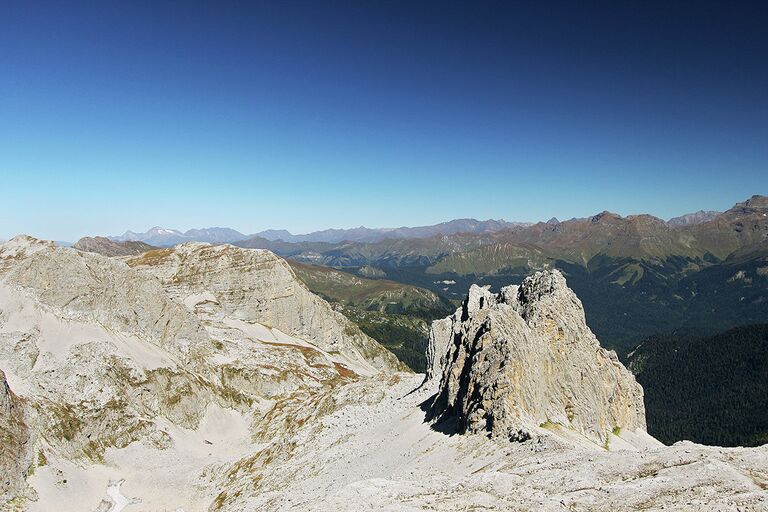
14 443
525 358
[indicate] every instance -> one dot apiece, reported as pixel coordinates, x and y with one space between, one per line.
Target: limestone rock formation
253 285
440 336
525 358
123 366
14 443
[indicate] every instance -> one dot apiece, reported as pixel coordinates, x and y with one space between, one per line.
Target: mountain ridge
164 237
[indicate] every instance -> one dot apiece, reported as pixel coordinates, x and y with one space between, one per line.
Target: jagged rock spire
511 362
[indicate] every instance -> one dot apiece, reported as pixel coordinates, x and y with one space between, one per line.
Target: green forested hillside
396 315
711 390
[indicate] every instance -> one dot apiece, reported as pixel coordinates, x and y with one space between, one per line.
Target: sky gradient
310 115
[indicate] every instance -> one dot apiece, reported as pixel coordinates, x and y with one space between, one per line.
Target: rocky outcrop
525 359
106 247
440 336
14 444
89 288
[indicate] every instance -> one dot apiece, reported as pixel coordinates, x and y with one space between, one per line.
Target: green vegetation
711 390
404 336
396 315
381 295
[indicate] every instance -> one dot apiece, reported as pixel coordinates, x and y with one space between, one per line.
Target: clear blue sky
308 115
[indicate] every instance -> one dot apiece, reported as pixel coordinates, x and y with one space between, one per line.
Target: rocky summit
525 357
208 378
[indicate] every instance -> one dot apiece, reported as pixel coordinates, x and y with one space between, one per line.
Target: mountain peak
604 215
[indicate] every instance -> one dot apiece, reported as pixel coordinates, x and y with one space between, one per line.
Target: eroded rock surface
165 359
254 285
366 446
14 444
525 357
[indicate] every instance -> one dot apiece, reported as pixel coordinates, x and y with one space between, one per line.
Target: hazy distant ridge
163 237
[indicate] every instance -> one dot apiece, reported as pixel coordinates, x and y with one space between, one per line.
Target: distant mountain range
370 235
164 237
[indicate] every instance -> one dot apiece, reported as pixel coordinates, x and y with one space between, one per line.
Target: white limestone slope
129 376
367 446
256 286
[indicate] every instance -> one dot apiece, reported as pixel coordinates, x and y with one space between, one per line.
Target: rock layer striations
525 358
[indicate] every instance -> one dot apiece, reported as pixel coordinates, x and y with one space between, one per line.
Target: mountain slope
15 446
369 294
693 218
711 390
155 370
107 247
261 287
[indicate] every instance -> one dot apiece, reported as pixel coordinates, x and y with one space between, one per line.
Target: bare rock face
440 335
89 288
14 443
254 285
525 359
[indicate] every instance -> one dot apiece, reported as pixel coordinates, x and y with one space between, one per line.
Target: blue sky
308 115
